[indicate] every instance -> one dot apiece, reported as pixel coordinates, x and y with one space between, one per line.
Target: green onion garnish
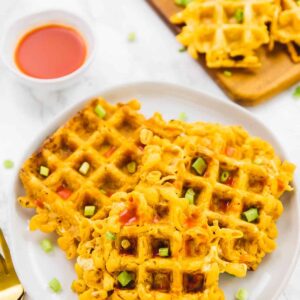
227 73
241 294
251 214
199 165
183 2
46 245
124 278
110 236
224 176
131 167
55 285
182 116
296 93
182 49
8 164
84 168
163 252
100 111
131 37
239 15
89 210
190 195
44 171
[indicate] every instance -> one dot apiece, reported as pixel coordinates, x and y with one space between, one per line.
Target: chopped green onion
46 245
182 116
131 37
224 176
182 49
163 252
100 111
241 294
227 73
199 165
124 278
296 93
251 214
239 15
89 210
110 236
84 168
8 164
55 285
44 171
131 167
190 195
183 2
125 244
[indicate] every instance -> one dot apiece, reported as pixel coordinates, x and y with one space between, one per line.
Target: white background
154 56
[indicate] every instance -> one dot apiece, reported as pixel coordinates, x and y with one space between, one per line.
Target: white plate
36 269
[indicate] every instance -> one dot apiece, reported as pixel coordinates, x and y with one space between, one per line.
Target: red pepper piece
63 192
128 216
110 151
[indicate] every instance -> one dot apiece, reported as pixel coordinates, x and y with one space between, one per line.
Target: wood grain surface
245 86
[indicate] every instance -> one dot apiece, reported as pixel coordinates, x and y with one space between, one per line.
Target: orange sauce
51 51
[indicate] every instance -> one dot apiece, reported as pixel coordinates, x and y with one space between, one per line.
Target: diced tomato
64 192
129 215
39 203
110 151
229 151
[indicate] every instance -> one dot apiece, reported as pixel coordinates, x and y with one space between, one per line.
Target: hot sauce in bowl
50 51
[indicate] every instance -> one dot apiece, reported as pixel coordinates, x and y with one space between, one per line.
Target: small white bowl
23 25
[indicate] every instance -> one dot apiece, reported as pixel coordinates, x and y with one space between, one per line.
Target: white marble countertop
153 56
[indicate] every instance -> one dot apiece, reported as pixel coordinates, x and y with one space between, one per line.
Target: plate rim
71 109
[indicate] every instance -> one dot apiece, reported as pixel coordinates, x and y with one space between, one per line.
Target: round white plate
36 268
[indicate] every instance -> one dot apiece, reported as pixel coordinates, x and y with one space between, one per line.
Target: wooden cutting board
247 87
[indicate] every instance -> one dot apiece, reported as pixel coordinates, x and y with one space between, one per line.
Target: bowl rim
71 109
90 56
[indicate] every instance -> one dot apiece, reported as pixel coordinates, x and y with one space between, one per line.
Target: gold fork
10 286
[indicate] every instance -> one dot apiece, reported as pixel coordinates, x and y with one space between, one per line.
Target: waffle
106 144
286 29
257 179
189 271
228 31
142 213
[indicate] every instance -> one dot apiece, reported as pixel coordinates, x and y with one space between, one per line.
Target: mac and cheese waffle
107 144
200 199
286 29
164 261
241 173
228 32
